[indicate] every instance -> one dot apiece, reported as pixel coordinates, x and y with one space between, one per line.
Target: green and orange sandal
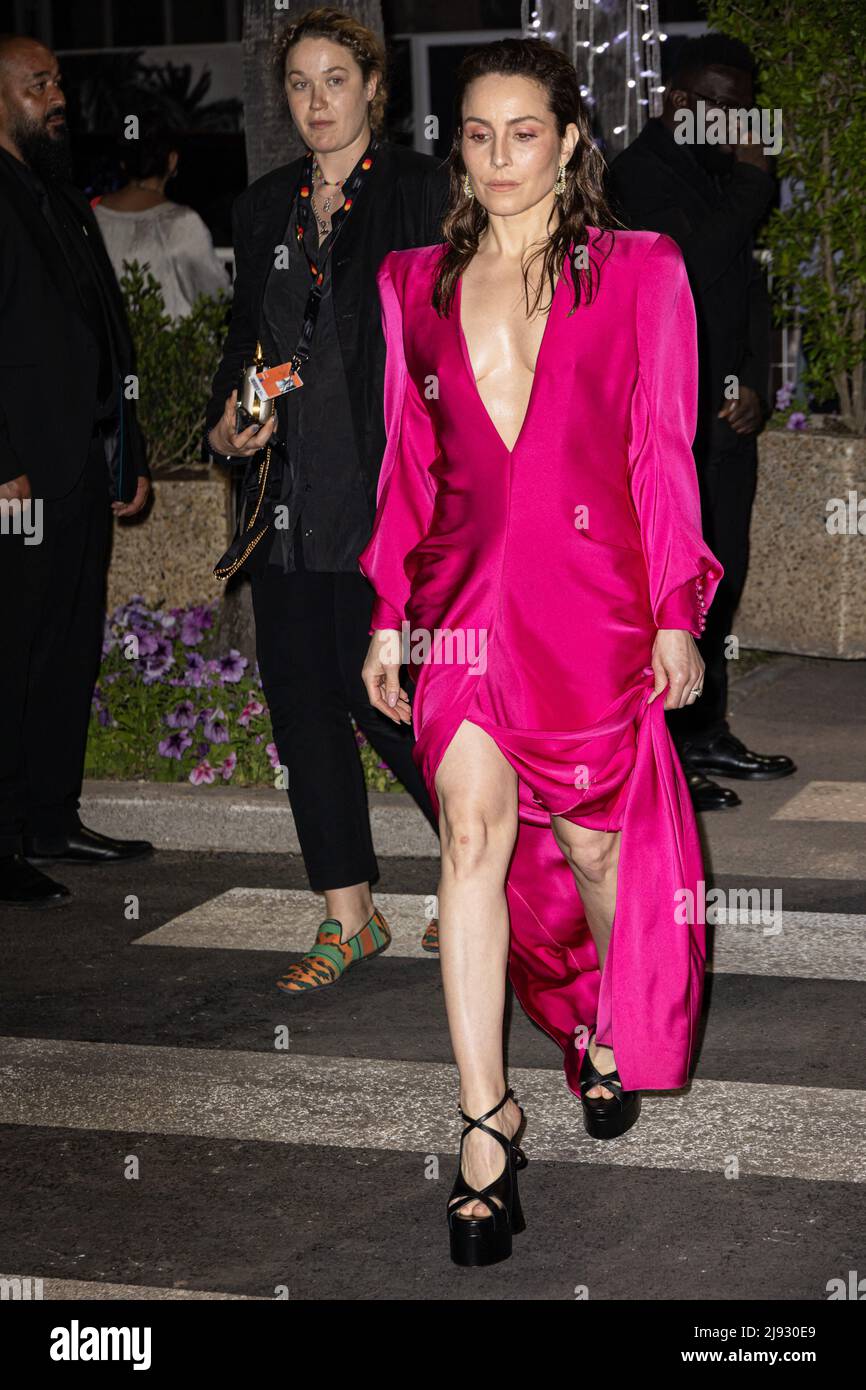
330 958
430 939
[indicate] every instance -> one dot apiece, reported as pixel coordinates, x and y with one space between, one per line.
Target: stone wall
806 588
168 555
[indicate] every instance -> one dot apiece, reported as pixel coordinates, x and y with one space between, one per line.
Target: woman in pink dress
539 567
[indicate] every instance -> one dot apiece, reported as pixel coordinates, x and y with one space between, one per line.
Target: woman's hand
676 663
223 439
381 676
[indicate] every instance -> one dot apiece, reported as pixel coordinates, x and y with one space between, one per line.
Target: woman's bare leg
593 857
477 791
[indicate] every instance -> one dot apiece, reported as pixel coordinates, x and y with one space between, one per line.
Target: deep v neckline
464 348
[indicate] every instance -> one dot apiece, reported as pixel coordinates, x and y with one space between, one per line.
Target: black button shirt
315 422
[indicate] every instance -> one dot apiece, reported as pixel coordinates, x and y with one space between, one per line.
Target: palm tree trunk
270 136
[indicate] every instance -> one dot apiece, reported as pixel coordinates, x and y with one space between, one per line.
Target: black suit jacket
658 185
401 205
49 358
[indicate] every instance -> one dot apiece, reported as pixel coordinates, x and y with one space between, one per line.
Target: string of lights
636 48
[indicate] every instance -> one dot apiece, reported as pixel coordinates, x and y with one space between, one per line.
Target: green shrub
175 362
813 68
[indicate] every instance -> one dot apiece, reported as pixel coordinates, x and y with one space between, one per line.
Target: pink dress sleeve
683 572
406 491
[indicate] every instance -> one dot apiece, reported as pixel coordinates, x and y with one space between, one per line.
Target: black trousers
311 640
727 478
53 616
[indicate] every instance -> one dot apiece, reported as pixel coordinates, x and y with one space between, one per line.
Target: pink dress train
529 585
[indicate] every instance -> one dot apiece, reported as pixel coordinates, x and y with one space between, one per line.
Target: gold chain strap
226 571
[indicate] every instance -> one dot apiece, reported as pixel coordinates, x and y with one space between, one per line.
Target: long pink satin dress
551 566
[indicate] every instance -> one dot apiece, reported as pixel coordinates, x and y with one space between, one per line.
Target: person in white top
139 223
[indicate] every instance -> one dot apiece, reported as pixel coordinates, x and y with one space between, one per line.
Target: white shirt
176 245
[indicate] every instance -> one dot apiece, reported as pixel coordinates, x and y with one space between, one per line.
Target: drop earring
559 186
467 186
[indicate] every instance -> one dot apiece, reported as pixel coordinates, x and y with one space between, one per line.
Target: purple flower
798 421
148 642
250 710
784 396
183 716
132 613
229 765
216 728
202 749
157 663
101 710
202 773
176 744
273 755
195 670
191 630
231 667
202 614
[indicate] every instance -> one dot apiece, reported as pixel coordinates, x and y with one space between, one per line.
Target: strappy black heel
485 1240
603 1118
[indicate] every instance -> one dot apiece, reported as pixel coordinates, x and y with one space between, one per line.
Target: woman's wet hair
582 204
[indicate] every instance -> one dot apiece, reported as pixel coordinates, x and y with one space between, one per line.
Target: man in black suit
68 443
710 198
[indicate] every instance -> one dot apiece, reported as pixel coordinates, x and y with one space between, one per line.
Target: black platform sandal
603 1118
485 1240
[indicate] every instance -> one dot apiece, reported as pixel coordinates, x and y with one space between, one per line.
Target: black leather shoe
23 886
707 795
728 756
83 846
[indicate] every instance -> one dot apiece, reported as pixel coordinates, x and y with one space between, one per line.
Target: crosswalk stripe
32 1288
799 945
284 919
826 801
810 945
818 1134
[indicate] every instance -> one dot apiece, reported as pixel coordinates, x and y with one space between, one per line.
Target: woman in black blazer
323 224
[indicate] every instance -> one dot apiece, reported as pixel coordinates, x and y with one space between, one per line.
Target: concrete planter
805 594
168 555
806 588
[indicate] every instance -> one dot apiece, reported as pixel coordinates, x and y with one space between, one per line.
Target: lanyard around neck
351 188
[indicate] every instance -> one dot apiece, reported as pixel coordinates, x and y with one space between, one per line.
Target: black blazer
658 186
402 205
49 358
